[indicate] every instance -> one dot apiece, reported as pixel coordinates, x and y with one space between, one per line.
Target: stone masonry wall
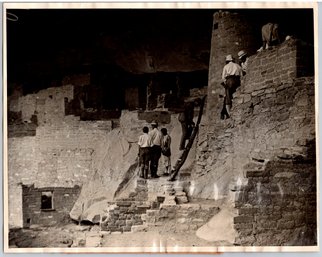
231 33
59 154
125 215
271 116
278 207
63 200
146 208
48 104
266 150
292 59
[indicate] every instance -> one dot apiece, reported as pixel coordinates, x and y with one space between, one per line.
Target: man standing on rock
144 152
155 153
231 81
166 151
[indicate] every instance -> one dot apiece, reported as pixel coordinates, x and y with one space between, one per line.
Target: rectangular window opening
47 200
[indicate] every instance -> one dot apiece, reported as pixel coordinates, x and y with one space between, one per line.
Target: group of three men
231 79
151 145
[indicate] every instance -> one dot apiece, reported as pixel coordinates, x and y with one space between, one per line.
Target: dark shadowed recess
45 45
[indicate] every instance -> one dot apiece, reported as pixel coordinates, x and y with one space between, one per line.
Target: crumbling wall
58 155
155 203
63 201
266 109
66 151
48 105
60 152
272 115
278 204
266 150
22 164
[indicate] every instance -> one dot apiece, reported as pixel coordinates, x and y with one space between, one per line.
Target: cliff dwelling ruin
83 85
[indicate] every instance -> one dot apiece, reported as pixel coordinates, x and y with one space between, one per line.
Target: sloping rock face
115 165
100 156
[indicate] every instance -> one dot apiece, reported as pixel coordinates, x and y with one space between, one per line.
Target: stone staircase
149 197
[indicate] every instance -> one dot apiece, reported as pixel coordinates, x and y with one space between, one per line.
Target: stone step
181 199
255 164
139 228
151 212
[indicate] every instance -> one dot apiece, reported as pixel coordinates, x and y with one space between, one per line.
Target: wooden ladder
185 152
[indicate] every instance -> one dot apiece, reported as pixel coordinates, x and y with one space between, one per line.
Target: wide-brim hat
241 54
229 58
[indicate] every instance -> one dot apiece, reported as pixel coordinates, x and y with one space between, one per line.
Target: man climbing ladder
185 152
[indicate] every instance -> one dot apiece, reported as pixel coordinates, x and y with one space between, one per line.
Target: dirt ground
73 235
157 239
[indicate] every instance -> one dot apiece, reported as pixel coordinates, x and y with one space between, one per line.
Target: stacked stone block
278 66
265 148
124 216
278 205
159 204
22 129
271 116
63 201
141 191
58 151
128 213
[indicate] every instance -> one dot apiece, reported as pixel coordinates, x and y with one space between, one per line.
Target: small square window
47 200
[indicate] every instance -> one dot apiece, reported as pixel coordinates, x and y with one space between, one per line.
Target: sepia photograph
160 128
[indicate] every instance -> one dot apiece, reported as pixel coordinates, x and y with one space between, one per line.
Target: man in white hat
243 58
155 152
231 80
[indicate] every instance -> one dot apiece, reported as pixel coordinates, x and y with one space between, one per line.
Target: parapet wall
292 59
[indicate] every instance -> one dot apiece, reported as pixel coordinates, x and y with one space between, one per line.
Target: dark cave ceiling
54 42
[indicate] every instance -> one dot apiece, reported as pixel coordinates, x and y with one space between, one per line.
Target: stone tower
231 33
